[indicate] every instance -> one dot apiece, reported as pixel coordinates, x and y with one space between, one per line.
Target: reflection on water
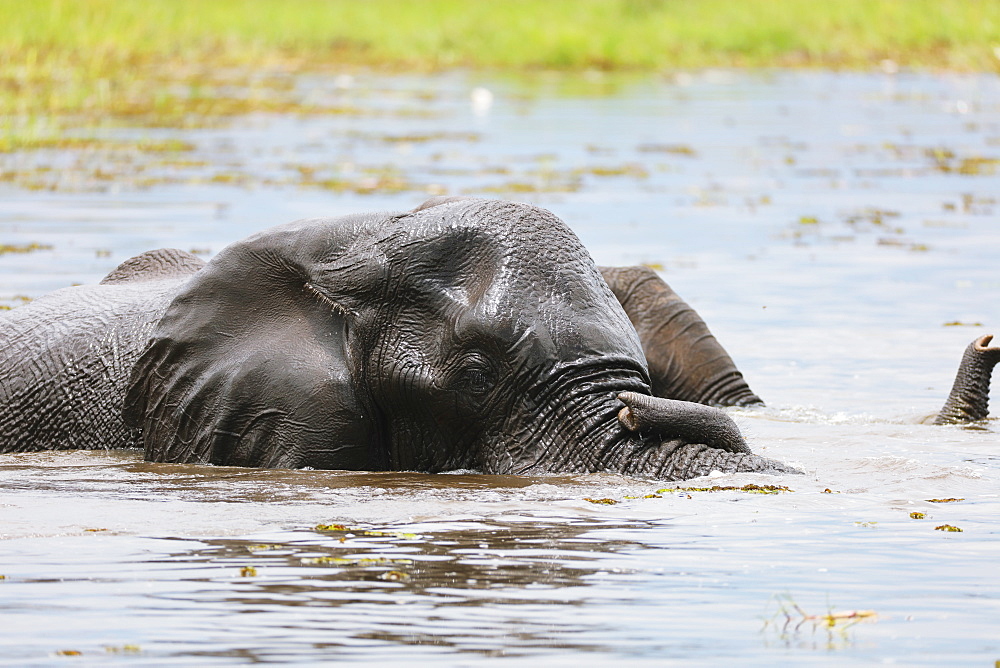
445 576
828 226
112 557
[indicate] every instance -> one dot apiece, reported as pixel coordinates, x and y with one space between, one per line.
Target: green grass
505 34
122 58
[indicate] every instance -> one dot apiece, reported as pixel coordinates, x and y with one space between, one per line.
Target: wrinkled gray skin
970 394
685 361
465 334
66 358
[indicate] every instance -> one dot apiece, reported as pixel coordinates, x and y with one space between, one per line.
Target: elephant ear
251 365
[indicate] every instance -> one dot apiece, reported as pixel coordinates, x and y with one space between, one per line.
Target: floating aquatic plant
947 527
751 489
24 248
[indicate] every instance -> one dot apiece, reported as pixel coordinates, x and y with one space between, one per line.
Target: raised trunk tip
969 399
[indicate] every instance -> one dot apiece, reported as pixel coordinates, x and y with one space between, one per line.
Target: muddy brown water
831 228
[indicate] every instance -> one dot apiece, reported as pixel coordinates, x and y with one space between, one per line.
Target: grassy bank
510 34
125 57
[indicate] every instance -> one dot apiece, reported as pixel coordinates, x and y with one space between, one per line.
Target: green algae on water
123 649
24 248
344 561
947 527
343 528
750 489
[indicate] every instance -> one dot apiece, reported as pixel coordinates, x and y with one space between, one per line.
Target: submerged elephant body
463 334
66 358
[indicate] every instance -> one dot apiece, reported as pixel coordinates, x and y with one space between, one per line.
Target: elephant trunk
569 423
678 460
650 437
685 360
970 395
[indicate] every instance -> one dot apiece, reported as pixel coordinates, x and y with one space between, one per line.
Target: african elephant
463 334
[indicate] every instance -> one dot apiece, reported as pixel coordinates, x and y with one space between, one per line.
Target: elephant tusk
627 418
695 423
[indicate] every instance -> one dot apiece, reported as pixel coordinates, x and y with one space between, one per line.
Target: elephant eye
477 375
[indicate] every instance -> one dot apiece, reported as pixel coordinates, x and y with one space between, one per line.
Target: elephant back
65 363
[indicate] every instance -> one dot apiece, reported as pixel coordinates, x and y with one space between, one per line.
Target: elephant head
463 334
